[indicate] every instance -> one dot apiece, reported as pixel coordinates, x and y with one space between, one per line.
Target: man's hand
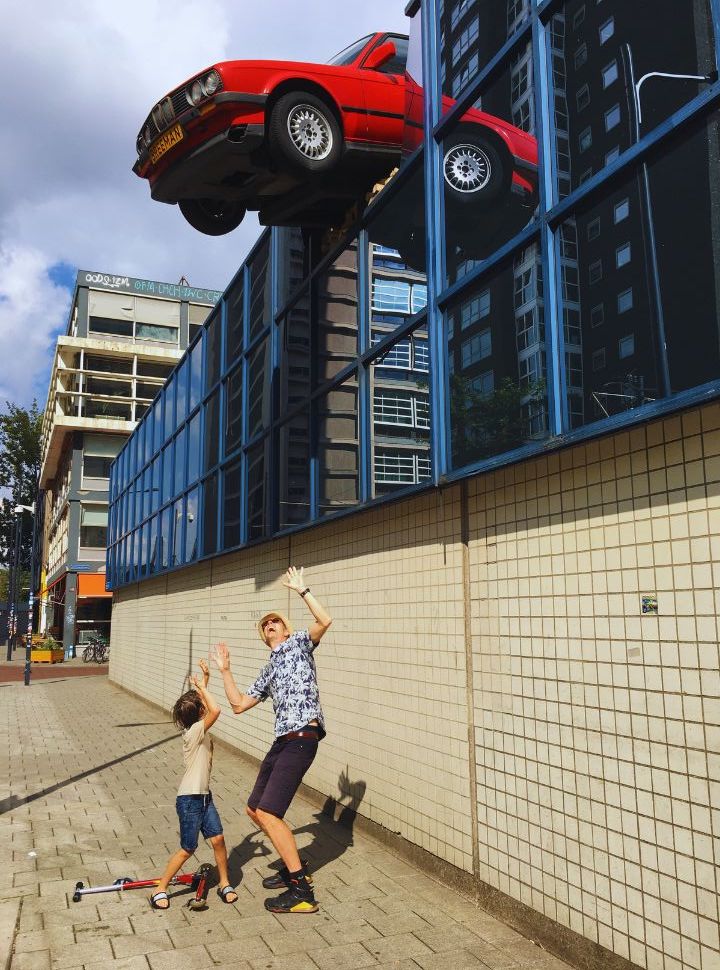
221 656
205 672
294 579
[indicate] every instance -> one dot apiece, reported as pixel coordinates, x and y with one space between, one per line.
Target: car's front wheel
304 131
214 217
475 172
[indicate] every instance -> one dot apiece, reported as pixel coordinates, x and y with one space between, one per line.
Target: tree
20 430
488 424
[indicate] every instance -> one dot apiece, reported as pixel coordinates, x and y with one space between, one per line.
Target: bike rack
197 880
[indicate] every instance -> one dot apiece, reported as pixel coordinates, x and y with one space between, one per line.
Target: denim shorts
197 813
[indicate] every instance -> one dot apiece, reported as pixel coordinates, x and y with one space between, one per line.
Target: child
196 712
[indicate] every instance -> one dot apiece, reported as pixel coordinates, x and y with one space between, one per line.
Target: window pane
258 492
676 38
213 346
233 411
181 392
151 331
210 514
191 526
165 534
664 232
195 374
397 254
338 448
168 478
177 526
232 479
260 290
169 397
292 264
497 373
180 477
211 436
193 449
335 315
295 356
471 31
490 168
259 389
294 471
234 310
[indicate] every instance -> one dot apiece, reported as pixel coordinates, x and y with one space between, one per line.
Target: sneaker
281 878
296 899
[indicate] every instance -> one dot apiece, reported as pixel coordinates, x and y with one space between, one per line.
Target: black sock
299 879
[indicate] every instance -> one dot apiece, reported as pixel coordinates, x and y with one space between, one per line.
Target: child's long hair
188 710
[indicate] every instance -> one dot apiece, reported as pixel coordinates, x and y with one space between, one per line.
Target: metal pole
31 597
10 598
16 582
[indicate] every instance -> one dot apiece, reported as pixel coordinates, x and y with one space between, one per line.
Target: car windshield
350 53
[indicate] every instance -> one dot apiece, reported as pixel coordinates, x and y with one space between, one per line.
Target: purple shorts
280 774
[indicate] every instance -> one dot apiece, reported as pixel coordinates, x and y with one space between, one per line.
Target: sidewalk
14 670
94 773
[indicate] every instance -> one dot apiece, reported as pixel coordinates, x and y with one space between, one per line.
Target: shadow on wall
333 831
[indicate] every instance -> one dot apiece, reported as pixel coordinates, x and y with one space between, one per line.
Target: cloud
32 311
85 76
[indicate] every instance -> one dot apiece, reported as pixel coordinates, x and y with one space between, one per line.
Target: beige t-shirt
197 758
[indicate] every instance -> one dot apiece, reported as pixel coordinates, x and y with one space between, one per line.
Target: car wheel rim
467 169
310 132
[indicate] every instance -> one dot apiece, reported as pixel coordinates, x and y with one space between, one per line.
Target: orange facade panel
92 584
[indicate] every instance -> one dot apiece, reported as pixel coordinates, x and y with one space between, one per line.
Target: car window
396 65
349 54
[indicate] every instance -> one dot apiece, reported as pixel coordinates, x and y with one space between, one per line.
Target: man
290 679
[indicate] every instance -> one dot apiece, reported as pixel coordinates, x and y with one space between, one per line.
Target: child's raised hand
196 681
205 671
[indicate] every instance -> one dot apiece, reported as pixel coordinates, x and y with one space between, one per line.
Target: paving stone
397 947
35 960
348 956
203 933
189 958
130 963
450 960
350 931
77 953
130 944
251 949
294 940
56 936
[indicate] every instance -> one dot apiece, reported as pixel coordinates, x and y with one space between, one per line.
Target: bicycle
97 649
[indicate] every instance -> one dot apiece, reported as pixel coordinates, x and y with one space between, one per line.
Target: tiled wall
597 727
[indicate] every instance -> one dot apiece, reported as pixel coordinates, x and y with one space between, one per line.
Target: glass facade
542 268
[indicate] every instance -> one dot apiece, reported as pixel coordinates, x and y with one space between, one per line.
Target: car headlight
167 110
211 83
195 93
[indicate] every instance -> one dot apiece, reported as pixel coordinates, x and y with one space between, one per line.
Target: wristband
305 592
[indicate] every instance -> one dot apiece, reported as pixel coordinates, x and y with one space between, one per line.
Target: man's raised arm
239 702
294 580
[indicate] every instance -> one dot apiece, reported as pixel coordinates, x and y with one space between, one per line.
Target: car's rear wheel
304 131
214 217
475 172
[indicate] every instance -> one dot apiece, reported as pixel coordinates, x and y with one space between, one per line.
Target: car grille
179 104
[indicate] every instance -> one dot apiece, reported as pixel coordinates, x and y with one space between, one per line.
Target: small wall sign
649 603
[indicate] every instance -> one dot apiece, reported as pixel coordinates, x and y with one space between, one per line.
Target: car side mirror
380 56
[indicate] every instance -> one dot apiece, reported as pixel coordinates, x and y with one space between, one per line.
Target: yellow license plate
165 142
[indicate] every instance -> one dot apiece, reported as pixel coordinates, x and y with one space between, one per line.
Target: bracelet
305 592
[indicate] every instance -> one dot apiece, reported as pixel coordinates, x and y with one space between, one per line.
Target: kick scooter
197 880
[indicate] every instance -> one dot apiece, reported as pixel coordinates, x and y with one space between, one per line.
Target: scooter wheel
76 897
196 904
79 885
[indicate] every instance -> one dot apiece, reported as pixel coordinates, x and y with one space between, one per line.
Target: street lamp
31 596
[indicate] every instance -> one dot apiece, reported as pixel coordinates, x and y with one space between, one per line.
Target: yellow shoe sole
297 908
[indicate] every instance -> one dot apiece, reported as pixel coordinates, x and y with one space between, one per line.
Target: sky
79 79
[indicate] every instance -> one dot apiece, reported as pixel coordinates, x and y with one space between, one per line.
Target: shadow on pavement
14 801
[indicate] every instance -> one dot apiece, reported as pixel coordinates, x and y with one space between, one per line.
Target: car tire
304 132
476 173
214 217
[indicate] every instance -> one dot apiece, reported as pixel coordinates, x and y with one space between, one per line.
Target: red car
259 134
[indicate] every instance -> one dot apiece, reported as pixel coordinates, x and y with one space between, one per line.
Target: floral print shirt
290 679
